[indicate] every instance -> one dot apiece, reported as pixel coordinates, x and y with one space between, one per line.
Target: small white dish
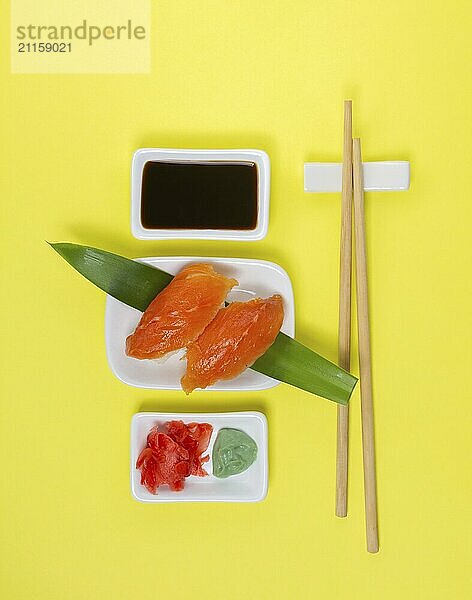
249 486
258 157
256 278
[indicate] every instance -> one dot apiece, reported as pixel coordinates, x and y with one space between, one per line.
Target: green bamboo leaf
131 282
136 284
291 362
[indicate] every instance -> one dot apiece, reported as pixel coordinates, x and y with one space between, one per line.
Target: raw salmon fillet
179 313
233 341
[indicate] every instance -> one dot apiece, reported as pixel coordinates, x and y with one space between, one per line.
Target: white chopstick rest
381 176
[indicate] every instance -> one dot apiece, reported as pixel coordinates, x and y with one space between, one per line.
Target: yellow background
271 75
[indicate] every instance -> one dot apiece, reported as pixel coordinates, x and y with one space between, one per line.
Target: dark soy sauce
199 195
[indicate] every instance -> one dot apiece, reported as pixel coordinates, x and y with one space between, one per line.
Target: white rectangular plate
258 157
256 278
249 486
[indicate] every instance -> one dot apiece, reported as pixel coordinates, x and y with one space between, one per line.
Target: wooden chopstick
370 491
344 329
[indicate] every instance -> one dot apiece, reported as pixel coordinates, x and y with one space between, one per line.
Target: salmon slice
233 341
179 313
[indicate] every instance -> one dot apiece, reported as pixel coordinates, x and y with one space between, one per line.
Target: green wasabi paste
233 452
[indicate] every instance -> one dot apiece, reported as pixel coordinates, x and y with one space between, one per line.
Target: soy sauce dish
200 194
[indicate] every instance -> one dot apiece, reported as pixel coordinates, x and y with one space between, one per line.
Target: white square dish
258 157
256 278
249 486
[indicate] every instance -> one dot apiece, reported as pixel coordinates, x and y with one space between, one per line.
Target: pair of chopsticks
352 185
